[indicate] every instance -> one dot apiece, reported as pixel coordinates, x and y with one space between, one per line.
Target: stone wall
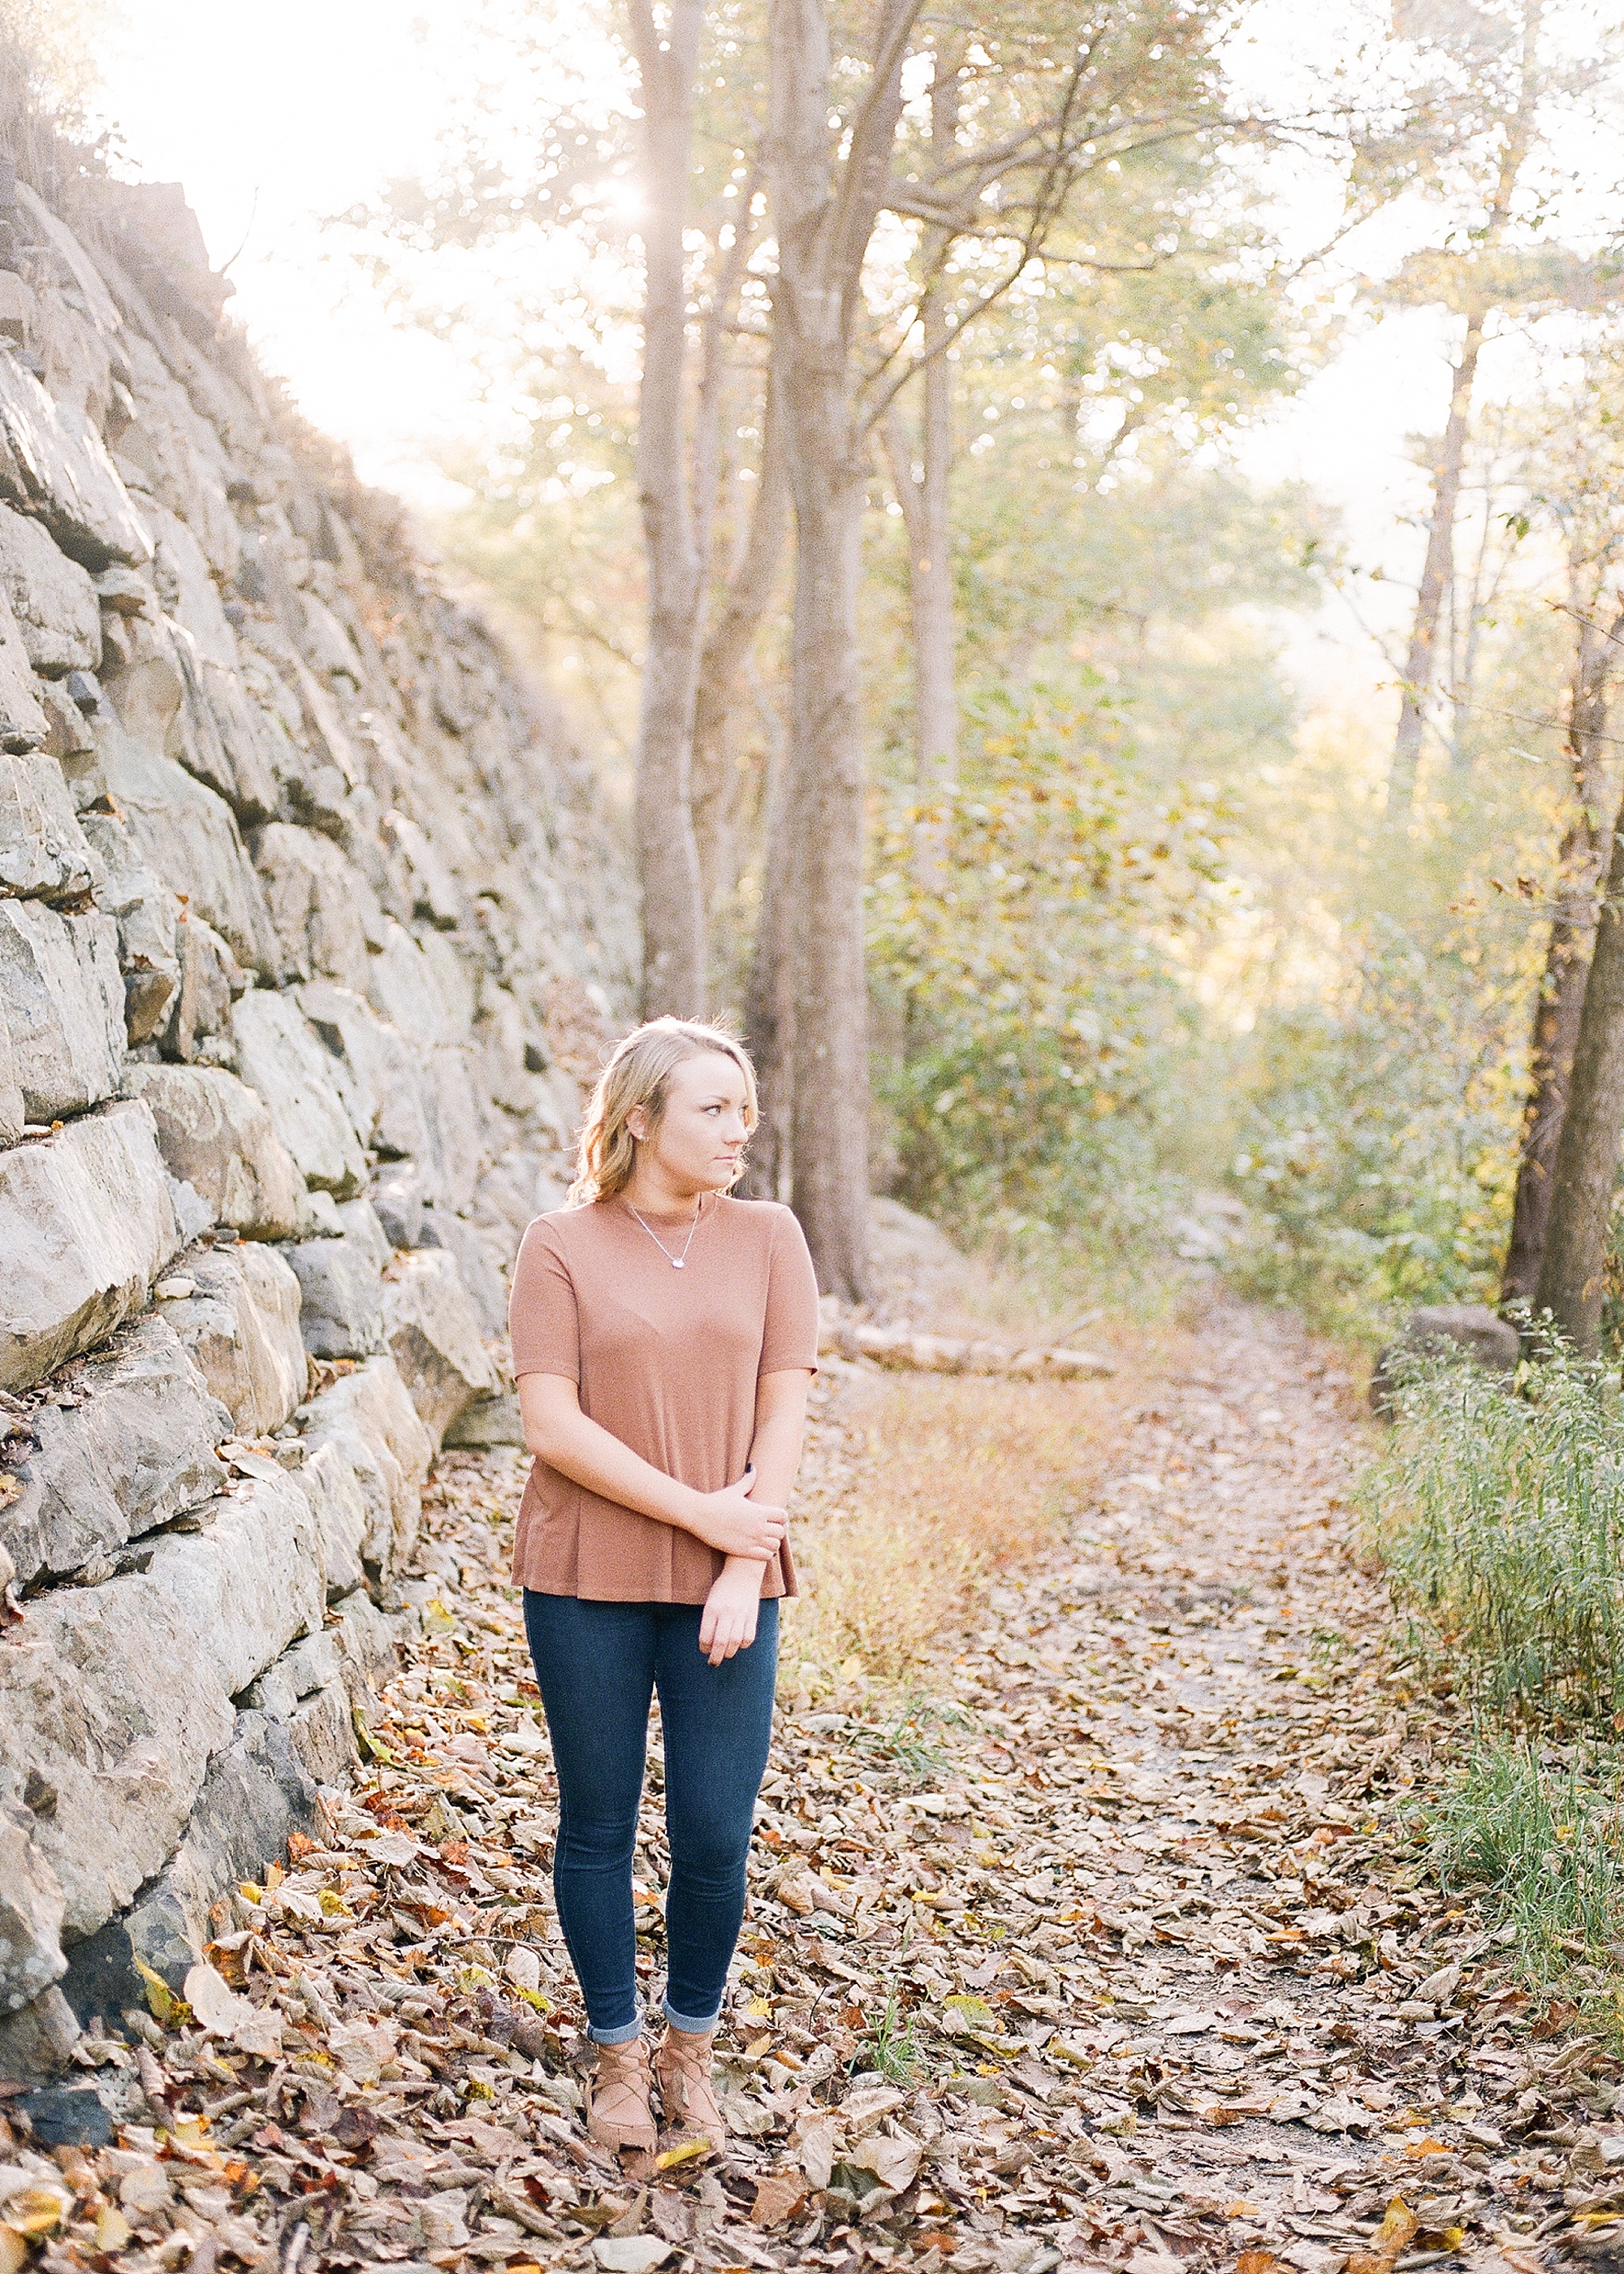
308 930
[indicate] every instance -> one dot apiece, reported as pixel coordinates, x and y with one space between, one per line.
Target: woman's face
697 1141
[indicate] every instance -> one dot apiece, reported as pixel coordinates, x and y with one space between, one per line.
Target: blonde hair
639 1074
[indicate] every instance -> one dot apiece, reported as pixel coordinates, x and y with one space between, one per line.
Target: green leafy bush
1377 1141
1021 938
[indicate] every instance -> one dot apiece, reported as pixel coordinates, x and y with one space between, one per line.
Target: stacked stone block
305 909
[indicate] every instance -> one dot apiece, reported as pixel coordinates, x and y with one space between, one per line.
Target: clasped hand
730 1522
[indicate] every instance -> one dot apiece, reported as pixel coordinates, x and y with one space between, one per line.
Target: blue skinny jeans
598 1666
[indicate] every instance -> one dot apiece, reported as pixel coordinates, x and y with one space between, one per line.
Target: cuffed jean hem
621 2036
687 2023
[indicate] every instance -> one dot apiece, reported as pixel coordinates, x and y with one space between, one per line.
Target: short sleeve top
668 1362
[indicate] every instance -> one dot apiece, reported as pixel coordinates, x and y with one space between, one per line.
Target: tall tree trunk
749 589
1583 854
673 932
924 499
1587 1154
1420 664
770 1002
936 694
824 221
829 1131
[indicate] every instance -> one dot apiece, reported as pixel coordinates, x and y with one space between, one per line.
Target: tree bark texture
673 930
1583 854
824 216
1574 1267
749 589
937 694
1421 661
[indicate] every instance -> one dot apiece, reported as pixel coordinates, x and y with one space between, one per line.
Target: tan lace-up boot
682 2065
618 2114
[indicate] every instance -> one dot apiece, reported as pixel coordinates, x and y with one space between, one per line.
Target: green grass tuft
1543 1843
1499 1512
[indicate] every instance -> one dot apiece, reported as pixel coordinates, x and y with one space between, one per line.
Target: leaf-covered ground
1110 1946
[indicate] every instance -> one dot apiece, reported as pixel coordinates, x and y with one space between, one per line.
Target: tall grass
1499 1512
1543 1841
955 1479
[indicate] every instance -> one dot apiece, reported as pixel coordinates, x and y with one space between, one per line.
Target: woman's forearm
774 1455
585 1452
734 1520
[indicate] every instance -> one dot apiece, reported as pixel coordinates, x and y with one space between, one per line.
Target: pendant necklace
676 1262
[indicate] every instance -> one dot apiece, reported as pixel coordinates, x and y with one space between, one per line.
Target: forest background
1191 877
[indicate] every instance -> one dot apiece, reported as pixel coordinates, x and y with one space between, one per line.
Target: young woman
663 1338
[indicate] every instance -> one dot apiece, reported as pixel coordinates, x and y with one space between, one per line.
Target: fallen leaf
671 2159
778 2198
894 2163
631 2254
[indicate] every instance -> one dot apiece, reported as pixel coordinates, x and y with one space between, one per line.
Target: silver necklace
676 1262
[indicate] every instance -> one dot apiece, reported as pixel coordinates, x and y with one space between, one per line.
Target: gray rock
23 723
42 848
369 1638
52 599
475 1249
435 1338
145 910
87 1224
251 1579
316 902
313 1663
137 1449
319 1216
340 1312
401 988
70 2115
215 1131
369 1418
38 2040
187 835
256 1792
71 743
458 1119
279 1055
113 1698
12 1114
494 1421
385 1082
241 1327
396 1196
63 997
31 1909
200 1030
55 465
322 1734
358 1221
338 1506
1470 1329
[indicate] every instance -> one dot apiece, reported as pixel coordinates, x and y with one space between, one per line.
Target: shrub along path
1108 1948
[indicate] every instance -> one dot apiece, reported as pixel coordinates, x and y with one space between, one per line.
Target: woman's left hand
727 1623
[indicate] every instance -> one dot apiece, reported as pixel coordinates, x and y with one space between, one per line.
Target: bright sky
269 133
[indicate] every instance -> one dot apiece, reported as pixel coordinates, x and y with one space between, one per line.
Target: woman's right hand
731 1522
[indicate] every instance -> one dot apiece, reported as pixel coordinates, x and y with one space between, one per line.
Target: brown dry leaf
778 2198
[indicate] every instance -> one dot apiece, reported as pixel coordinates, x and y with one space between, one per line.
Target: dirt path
1113 1954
